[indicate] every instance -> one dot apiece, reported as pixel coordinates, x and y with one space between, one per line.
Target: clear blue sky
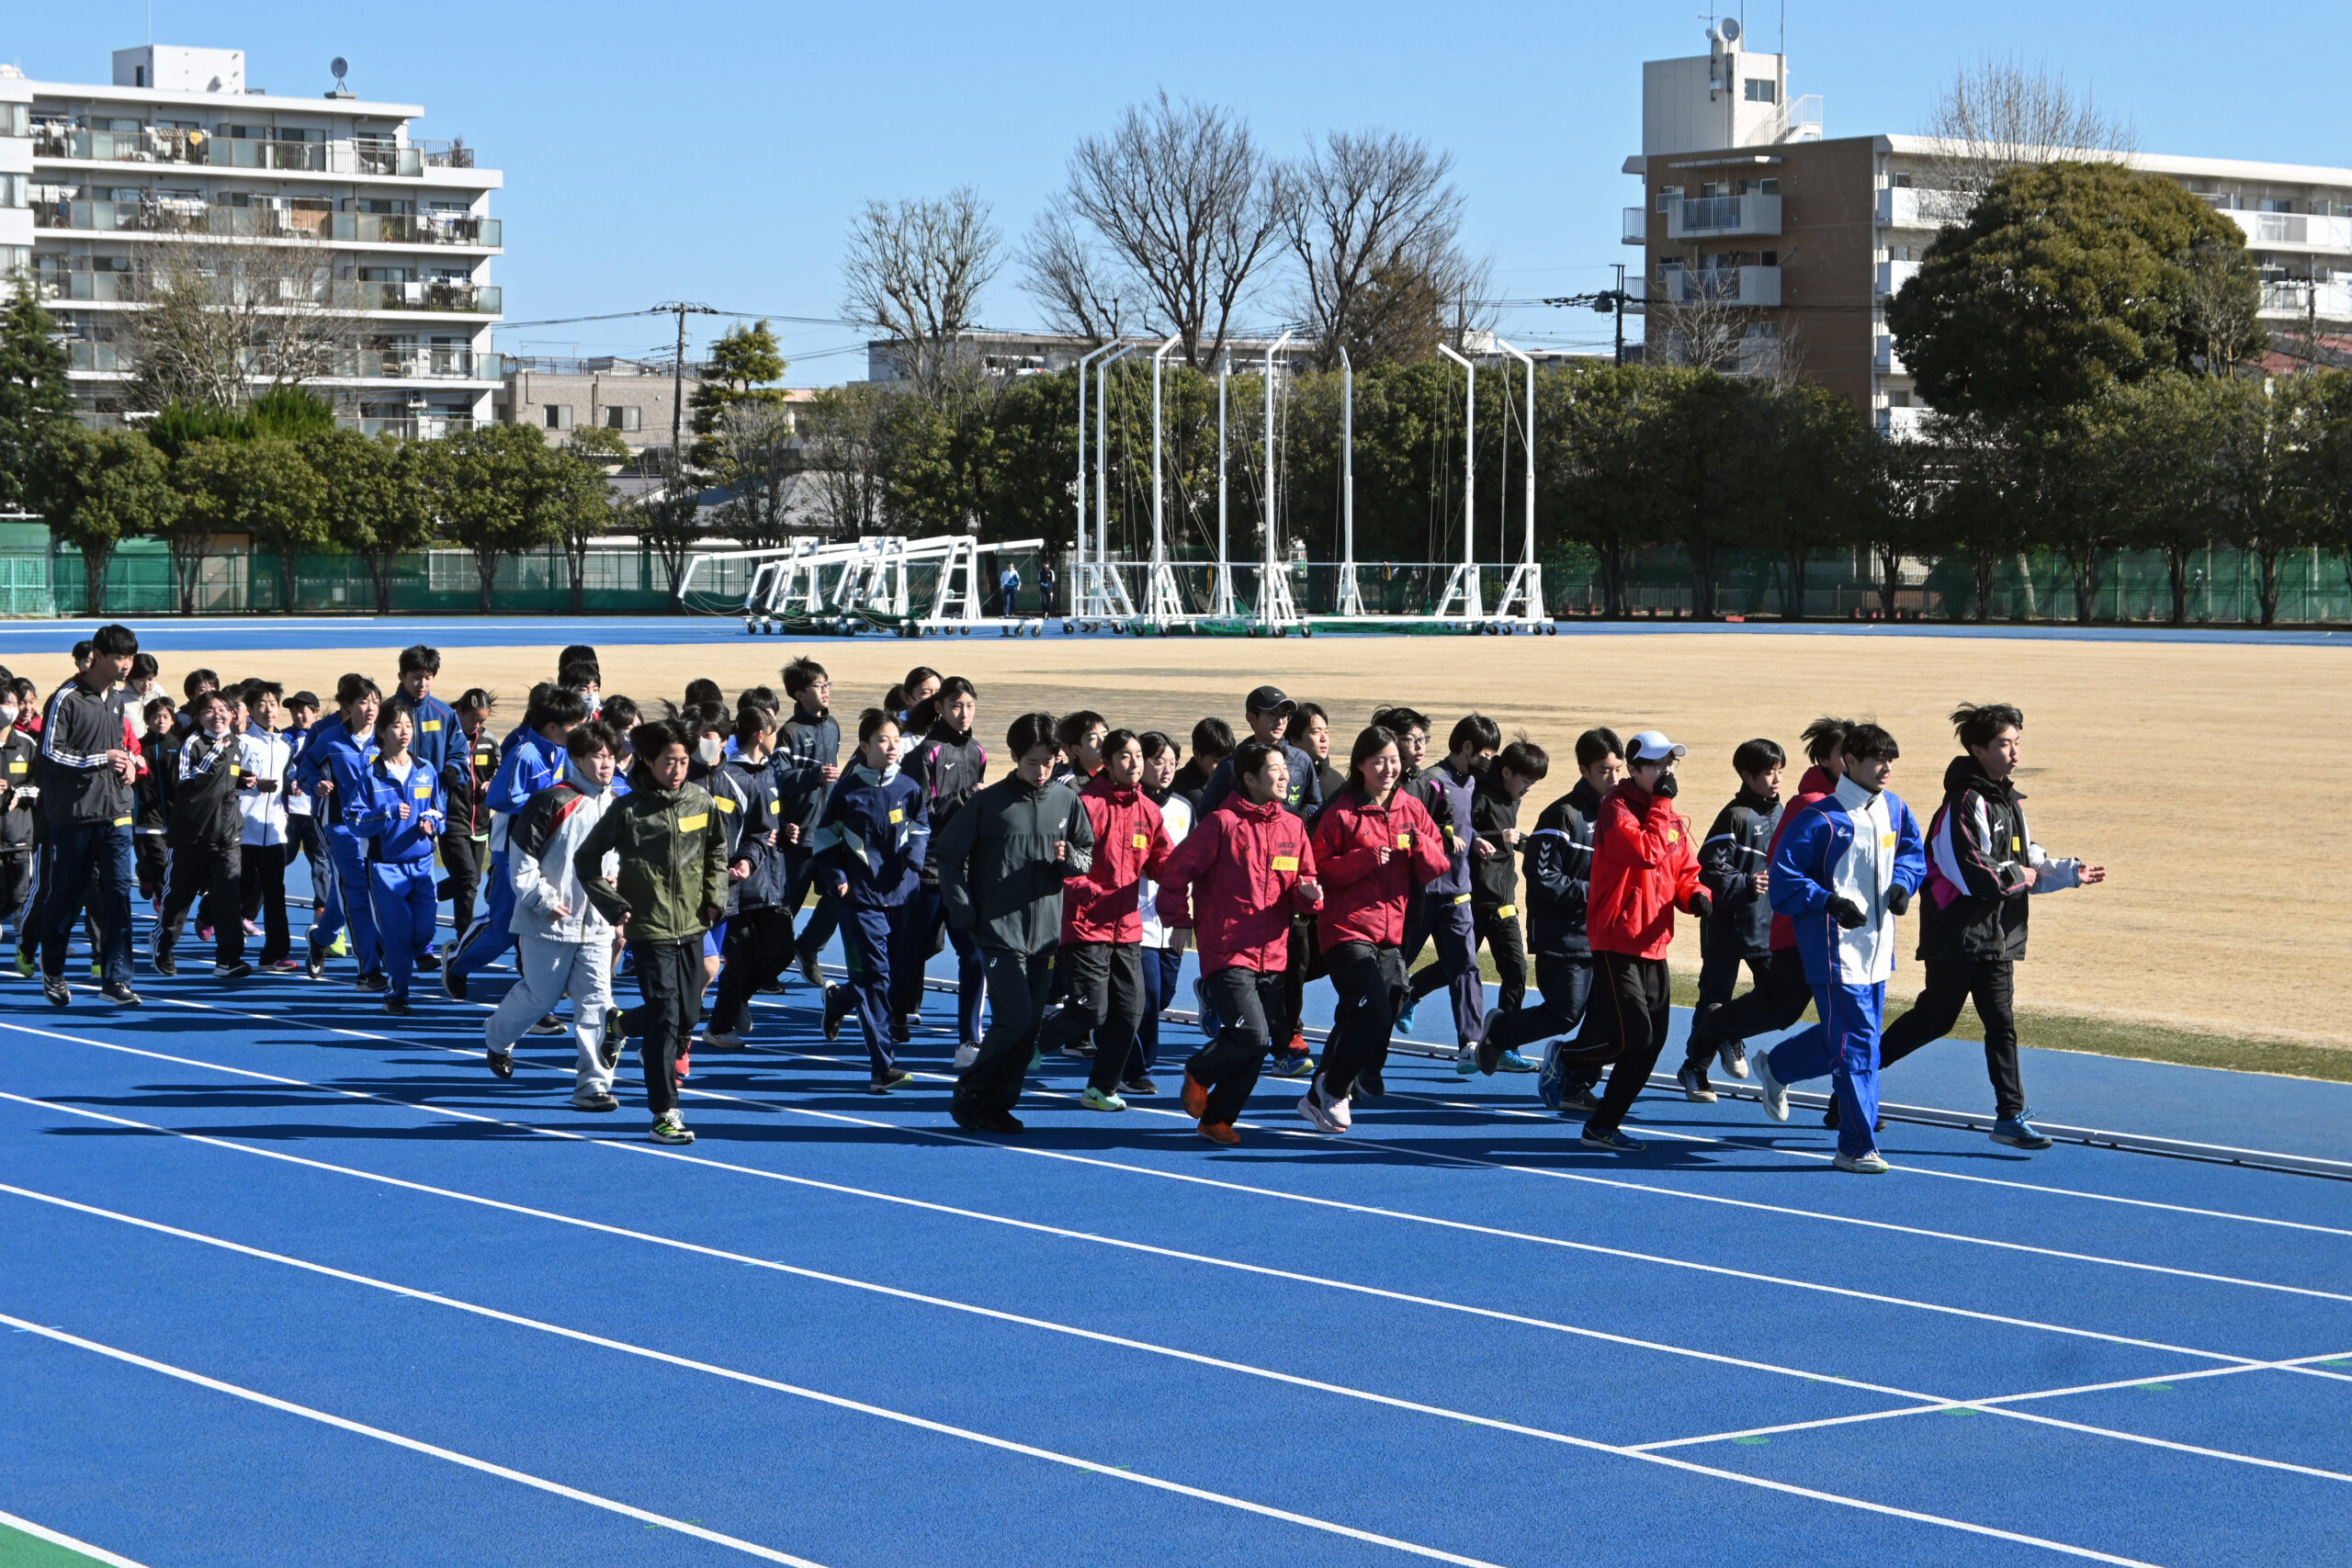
715 151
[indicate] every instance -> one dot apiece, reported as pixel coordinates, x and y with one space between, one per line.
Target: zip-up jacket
1644 868
805 748
673 861
1978 850
765 889
539 866
295 795
153 788
998 877
20 822
204 799
394 840
1494 879
77 784
465 783
263 755
1557 858
335 756
1104 903
1447 794
1855 845
1818 783
1303 799
1176 821
948 765
875 834
1365 900
1234 880
531 762
1735 849
438 735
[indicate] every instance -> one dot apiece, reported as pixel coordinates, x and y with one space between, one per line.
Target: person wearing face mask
563 942
1002 859
1844 869
949 763
870 845
1102 943
1645 867
208 828
20 823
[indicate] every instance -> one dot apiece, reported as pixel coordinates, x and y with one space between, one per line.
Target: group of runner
702 846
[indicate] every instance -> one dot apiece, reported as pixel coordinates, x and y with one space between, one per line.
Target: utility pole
678 376
1605 300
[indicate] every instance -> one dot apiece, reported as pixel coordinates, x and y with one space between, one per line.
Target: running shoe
2021 1133
887 1080
1611 1140
373 982
235 970
966 1055
608 1049
161 962
54 988
1580 1098
25 961
1733 1054
594 1102
1512 1062
684 1068
502 1064
1196 1097
1206 1014
1867 1163
838 1003
428 962
1465 1061
314 964
1220 1133
253 927
670 1128
398 1007
1079 1050
912 1019
1331 1115
1772 1091
1695 1086
1139 1086
119 994
1095 1099
340 947
550 1024
723 1040
284 966
1404 1015
811 971
988 1120
1294 1065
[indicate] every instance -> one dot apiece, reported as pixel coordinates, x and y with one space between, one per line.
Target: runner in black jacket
948 763
86 769
1733 859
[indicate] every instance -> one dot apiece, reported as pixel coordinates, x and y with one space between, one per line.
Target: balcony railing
293 157
1884 359
97 287
346 294
146 146
155 145
2302 230
1638 225
1910 207
1904 423
1799 119
1718 215
272 223
2296 300
421 365
1893 275
419 427
1759 286
95 357
472 299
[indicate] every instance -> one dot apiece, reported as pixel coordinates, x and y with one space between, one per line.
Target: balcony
1717 217
1638 225
1893 275
421 365
1799 119
1905 424
1884 359
149 146
469 299
1908 207
2295 231
420 427
206 220
154 145
2293 300
95 357
97 287
1746 286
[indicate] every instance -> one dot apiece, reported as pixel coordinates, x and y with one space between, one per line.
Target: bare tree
2000 113
226 316
1697 321
914 271
847 431
1065 272
1181 197
760 461
1373 220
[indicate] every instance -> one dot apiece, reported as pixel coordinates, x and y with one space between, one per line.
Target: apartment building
634 398
1756 228
328 203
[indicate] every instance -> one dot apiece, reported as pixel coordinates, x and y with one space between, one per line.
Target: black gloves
1846 913
1700 905
1899 900
1666 787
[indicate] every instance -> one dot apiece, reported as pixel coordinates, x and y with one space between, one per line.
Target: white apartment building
1746 205
392 233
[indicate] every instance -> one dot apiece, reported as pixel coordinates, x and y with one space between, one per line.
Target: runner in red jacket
1645 867
1102 950
1233 883
1377 847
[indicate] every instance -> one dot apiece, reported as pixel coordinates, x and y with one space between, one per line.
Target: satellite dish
340 67
1728 27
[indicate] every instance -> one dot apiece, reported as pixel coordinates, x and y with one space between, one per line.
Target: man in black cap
1270 712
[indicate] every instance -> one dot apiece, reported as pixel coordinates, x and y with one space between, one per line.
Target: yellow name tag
1886 844
122 821
1143 841
1508 912
1674 835
1403 841
897 815
1449 833
430 725
1285 862
15 767
772 801
425 792
2017 846
721 802
695 823
1462 898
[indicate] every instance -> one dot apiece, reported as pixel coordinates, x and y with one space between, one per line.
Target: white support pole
1526 587
1094 597
1274 611
1350 602
1465 576
1078 562
1161 601
1223 592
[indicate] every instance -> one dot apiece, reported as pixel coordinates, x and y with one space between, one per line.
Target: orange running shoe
1196 1097
1220 1133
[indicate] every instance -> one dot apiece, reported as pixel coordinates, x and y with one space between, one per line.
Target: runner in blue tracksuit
403 812
870 846
533 758
333 771
1845 867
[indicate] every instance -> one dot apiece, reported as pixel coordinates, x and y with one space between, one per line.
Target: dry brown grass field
2213 782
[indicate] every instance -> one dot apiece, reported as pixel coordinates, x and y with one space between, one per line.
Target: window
12 191
1763 90
1771 258
1898 252
624 419
1668 194
557 416
15 119
1900 182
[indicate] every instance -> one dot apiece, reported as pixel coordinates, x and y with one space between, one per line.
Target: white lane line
1333 1203
413 1444
840 1402
56 1537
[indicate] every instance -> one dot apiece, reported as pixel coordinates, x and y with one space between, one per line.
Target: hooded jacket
531 762
1557 858
1235 882
1978 850
1855 845
673 861
1644 868
948 765
1365 900
1818 783
1737 846
539 860
1104 903
875 834
998 877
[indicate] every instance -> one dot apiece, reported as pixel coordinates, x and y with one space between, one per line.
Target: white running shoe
1313 1106
966 1055
1868 1163
1769 1089
1733 1053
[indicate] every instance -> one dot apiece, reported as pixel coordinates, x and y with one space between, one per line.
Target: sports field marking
413 1444
1007 1445
66 1543
1463 1225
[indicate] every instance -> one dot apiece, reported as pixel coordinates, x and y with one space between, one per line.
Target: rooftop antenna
340 68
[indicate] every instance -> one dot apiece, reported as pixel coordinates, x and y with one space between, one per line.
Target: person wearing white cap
1845 867
1644 868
